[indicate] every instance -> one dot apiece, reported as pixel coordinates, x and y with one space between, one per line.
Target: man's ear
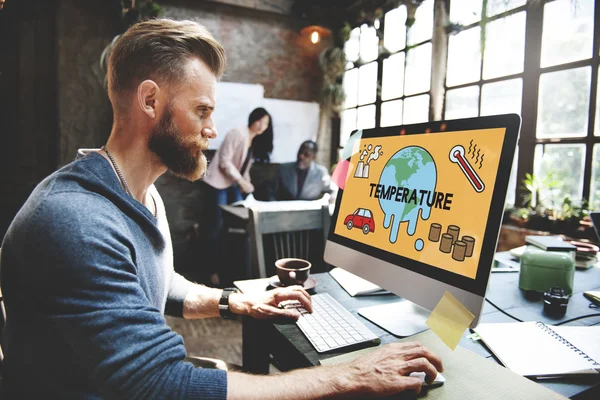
147 97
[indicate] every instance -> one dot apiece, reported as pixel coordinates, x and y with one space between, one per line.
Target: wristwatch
224 310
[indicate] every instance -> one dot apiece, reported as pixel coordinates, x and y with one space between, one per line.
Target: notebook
581 261
355 285
535 349
550 243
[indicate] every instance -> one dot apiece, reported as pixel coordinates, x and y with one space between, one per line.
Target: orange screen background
469 209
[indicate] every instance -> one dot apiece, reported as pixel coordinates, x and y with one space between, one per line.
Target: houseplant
553 214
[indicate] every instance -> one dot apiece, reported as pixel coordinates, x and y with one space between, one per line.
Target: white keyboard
330 326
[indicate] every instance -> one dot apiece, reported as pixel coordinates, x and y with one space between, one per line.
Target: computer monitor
421 210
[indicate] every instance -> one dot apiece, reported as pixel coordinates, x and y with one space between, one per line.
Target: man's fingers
406 345
284 295
286 312
300 288
422 351
420 365
412 383
266 311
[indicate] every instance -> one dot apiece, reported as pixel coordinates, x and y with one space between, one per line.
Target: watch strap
224 309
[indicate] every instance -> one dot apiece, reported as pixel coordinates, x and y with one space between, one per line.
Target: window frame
482 23
529 105
532 71
337 145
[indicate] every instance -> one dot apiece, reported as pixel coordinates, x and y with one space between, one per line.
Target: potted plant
551 214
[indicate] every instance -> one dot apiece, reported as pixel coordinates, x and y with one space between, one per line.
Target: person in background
303 179
229 171
228 175
87 263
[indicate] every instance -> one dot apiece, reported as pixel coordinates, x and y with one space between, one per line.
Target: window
566 140
361 213
595 189
406 77
563 103
360 82
496 63
562 166
486 62
388 86
568 31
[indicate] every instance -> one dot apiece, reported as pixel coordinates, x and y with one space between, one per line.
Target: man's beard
184 159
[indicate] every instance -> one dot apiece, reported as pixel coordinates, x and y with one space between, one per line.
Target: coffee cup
292 271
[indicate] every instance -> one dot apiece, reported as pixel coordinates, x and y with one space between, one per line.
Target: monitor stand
403 318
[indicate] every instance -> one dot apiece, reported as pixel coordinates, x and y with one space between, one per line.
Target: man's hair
158 49
310 144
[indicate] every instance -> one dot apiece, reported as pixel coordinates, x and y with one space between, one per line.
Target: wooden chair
289 233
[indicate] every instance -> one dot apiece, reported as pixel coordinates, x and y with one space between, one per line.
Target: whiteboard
235 102
293 123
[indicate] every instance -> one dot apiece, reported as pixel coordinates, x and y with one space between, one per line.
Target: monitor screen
426 198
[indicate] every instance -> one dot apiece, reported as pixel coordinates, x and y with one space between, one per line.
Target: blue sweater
86 275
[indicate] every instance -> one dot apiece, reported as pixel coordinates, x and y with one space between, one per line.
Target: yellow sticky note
449 320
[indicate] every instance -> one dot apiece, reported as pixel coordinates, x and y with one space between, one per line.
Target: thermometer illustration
457 155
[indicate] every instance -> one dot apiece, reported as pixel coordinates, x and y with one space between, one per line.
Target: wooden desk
290 349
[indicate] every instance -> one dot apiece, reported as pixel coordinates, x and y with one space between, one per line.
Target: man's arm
203 302
229 148
381 373
89 292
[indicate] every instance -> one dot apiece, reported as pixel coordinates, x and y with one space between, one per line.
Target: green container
541 270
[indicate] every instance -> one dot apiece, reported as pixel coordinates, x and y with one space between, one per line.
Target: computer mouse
438 381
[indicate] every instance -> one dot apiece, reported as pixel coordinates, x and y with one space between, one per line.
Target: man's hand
245 186
381 373
266 305
385 371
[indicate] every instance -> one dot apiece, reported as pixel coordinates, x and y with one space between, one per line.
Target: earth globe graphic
412 168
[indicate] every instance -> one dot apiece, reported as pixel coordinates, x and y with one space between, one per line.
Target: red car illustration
362 219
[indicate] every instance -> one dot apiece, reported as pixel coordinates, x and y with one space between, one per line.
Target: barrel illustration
470 241
454 231
460 248
446 243
434 232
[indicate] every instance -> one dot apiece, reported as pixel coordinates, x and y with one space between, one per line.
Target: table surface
243 213
291 349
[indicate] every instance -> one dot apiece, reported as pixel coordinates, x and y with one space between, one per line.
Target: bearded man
87 263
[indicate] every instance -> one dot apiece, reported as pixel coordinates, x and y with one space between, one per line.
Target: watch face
224 303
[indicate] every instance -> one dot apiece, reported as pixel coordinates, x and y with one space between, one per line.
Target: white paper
529 350
353 284
585 338
291 205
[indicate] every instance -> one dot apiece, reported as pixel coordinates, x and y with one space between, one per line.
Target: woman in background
228 175
229 171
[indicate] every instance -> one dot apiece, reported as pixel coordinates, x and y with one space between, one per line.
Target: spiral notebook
538 350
